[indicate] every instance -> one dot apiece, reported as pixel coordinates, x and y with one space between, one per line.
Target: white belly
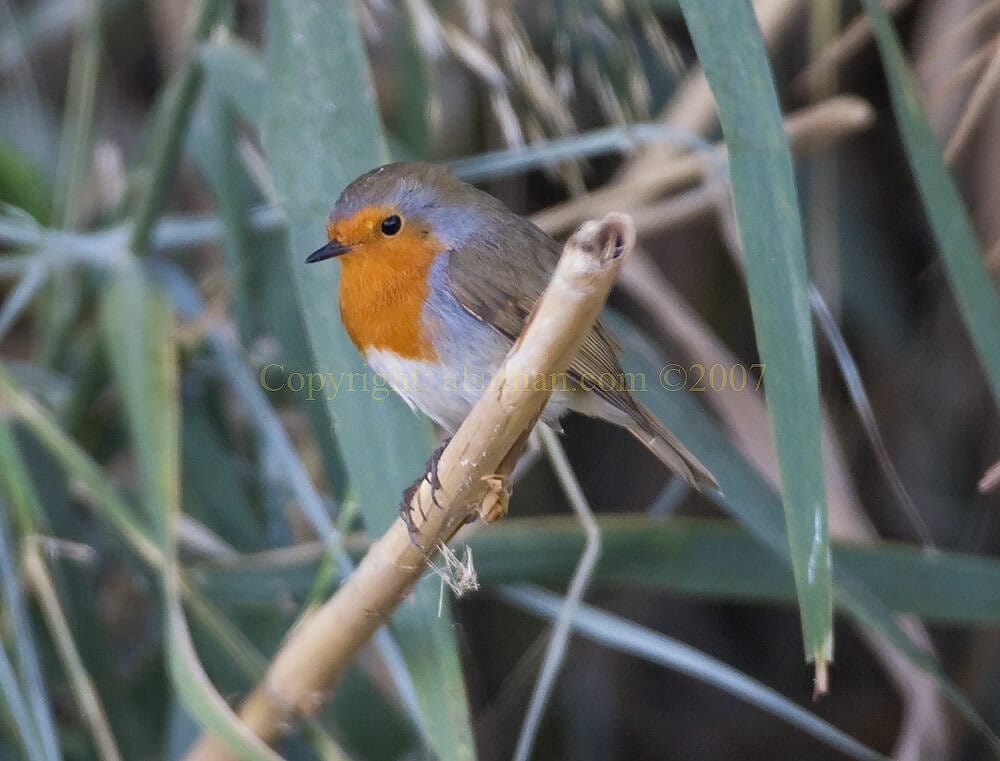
436 391
446 395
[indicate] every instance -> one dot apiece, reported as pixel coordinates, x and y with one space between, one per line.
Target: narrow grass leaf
320 130
17 300
859 398
29 700
629 637
544 154
680 555
137 322
196 692
719 559
967 275
186 230
17 708
731 50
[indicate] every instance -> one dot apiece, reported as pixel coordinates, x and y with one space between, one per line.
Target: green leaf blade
731 50
320 130
968 277
138 325
137 322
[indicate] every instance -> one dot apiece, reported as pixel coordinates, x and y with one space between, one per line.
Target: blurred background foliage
165 517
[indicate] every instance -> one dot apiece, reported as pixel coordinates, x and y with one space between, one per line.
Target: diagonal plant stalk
471 471
38 728
87 697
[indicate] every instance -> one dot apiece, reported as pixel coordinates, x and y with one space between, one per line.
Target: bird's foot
431 472
406 511
497 498
431 477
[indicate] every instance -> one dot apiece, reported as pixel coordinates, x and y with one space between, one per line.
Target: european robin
437 280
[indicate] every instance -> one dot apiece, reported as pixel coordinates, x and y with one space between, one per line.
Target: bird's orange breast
383 286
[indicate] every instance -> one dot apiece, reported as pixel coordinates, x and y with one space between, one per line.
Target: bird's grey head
417 197
419 192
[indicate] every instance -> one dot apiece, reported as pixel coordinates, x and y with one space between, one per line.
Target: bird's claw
430 476
406 511
496 499
431 473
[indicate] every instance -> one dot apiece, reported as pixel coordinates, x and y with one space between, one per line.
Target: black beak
330 250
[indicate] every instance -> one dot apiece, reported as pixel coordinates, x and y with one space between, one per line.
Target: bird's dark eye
391 225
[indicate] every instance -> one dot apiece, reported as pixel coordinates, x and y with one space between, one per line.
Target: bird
437 281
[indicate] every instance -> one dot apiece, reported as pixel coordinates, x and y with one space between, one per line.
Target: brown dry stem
811 128
317 651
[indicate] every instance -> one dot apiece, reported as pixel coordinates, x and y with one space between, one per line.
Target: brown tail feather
665 445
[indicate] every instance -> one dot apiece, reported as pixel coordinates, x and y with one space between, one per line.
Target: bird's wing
501 290
498 288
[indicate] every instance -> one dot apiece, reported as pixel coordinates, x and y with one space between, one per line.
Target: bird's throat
381 301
